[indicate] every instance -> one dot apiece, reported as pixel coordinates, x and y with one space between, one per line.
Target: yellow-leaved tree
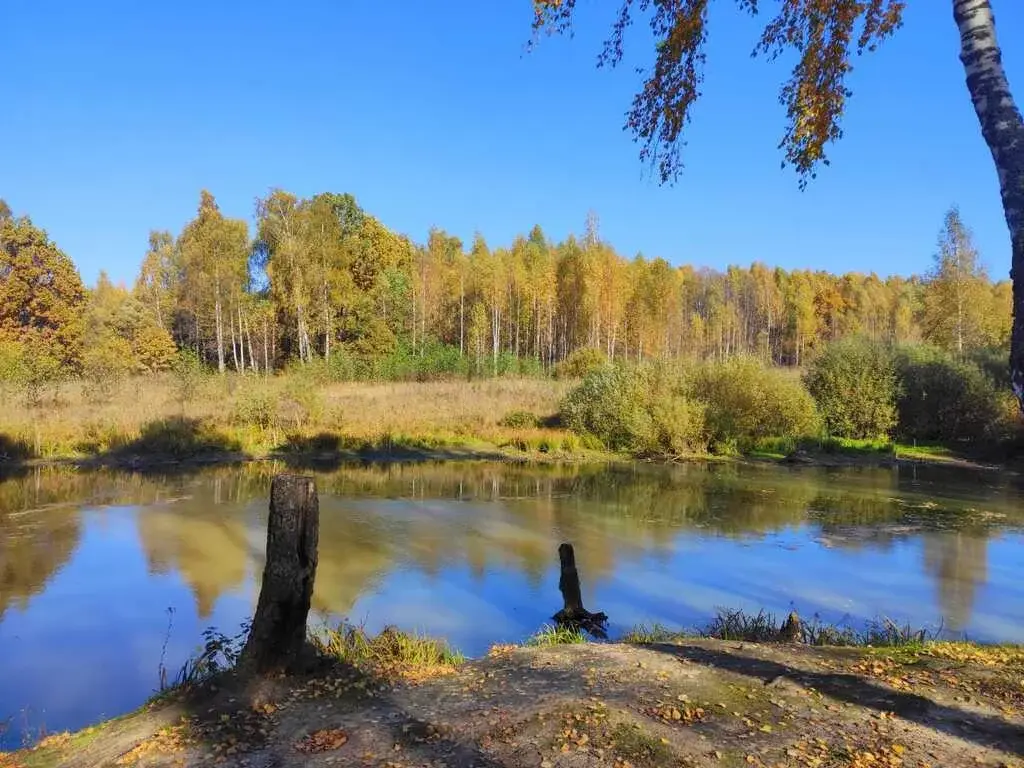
824 34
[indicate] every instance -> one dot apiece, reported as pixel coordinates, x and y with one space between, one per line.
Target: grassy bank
256 417
400 700
215 418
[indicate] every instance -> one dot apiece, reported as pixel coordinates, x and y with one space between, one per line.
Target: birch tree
957 295
214 271
824 34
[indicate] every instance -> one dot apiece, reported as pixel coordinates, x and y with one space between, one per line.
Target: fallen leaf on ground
323 741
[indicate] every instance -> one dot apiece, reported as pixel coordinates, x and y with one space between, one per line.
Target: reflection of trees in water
206 547
203 529
209 526
33 548
40 524
354 553
959 563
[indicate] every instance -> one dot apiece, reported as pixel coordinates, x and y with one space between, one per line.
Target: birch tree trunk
234 348
1003 129
219 321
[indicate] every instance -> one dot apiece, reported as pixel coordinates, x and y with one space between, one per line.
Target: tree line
323 280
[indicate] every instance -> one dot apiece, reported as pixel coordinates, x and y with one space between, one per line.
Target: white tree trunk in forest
495 336
234 347
219 320
266 357
253 362
328 323
1003 129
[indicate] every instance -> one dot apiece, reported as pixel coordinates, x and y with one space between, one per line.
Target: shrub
580 363
643 411
42 375
995 364
105 366
519 420
679 425
317 371
854 383
154 349
342 366
530 366
255 406
303 401
945 400
747 401
12 367
187 374
611 404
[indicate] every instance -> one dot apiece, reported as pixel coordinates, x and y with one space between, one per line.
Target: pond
105 575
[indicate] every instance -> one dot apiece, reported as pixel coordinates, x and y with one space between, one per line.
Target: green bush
946 400
519 420
679 425
643 411
580 363
530 366
995 364
12 368
343 366
433 360
255 406
105 366
188 375
611 404
854 383
747 402
43 375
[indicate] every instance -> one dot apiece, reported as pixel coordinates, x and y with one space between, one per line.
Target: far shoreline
477 452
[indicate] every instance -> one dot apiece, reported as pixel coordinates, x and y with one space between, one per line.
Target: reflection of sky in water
476 572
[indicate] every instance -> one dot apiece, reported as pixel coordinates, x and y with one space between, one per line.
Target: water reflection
468 550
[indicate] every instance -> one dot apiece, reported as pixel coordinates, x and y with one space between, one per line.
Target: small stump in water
277 639
573 614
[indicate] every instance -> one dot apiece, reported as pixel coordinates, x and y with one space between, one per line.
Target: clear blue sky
119 112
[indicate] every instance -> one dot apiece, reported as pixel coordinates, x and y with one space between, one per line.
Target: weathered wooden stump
278 636
792 630
573 614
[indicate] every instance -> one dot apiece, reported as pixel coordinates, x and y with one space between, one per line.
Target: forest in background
323 281
583 348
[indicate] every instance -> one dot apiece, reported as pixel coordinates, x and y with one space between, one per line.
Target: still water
104 574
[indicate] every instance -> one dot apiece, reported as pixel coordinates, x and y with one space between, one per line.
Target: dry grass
261 415
474 407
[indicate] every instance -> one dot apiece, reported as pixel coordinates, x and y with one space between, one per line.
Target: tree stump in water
277 638
573 614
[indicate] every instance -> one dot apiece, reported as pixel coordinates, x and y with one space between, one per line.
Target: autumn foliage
673 359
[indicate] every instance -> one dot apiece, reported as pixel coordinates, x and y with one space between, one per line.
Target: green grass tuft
390 652
554 635
641 634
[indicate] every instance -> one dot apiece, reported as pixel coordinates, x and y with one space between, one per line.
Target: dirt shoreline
691 703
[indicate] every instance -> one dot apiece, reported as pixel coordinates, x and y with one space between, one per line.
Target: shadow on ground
981 729
167 446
